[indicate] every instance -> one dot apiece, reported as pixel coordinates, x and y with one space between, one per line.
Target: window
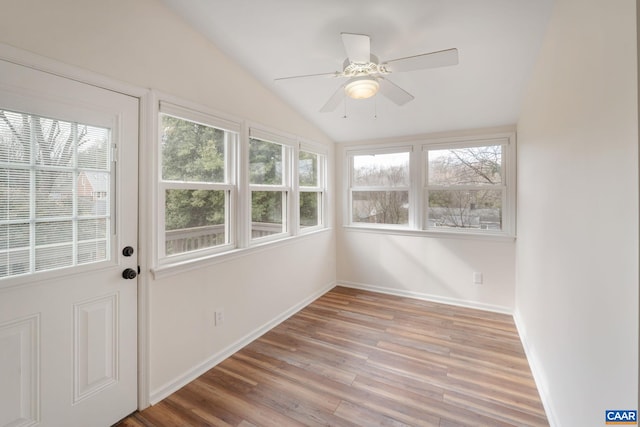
465 188
55 183
458 185
223 186
311 189
380 187
270 188
197 188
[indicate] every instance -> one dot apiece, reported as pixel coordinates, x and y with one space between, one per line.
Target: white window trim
229 228
270 135
286 216
237 183
373 150
231 147
289 178
312 147
507 187
166 104
321 188
417 172
200 115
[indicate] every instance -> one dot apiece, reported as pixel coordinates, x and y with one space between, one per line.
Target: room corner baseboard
536 370
427 297
173 386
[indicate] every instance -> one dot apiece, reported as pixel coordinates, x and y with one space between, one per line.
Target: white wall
577 250
142 43
438 269
431 267
577 247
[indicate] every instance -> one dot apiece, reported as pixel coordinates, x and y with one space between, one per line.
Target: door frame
51 66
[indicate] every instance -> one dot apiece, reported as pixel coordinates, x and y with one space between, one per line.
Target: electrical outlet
219 317
477 278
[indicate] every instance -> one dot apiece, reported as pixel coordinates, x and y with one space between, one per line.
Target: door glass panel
55 192
14 192
54 232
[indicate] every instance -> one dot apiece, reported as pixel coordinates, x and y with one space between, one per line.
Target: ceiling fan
366 74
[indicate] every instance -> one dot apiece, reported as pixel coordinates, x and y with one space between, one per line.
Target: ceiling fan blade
306 76
394 92
358 47
441 58
334 101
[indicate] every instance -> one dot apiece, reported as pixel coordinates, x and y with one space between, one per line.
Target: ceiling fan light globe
361 88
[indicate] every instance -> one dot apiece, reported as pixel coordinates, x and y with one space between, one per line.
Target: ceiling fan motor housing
356 69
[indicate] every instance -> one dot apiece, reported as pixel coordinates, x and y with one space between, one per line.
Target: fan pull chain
345 108
375 107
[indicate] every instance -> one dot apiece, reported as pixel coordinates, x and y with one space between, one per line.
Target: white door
68 208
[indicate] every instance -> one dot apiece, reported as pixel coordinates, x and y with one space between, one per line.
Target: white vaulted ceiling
497 41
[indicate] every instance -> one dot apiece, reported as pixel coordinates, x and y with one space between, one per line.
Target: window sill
448 234
180 267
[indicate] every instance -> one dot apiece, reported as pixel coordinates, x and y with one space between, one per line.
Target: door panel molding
20 372
95 346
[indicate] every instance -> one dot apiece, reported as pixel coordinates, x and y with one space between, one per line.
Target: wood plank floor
356 358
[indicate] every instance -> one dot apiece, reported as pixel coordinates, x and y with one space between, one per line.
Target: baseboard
173 386
536 370
428 297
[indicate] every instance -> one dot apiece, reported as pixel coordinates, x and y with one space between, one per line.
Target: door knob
129 274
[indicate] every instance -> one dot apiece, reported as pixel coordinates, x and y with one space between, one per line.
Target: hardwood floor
356 358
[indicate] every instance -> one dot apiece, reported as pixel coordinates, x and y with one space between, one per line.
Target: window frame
229 186
286 187
87 118
239 223
418 173
503 187
320 189
372 151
